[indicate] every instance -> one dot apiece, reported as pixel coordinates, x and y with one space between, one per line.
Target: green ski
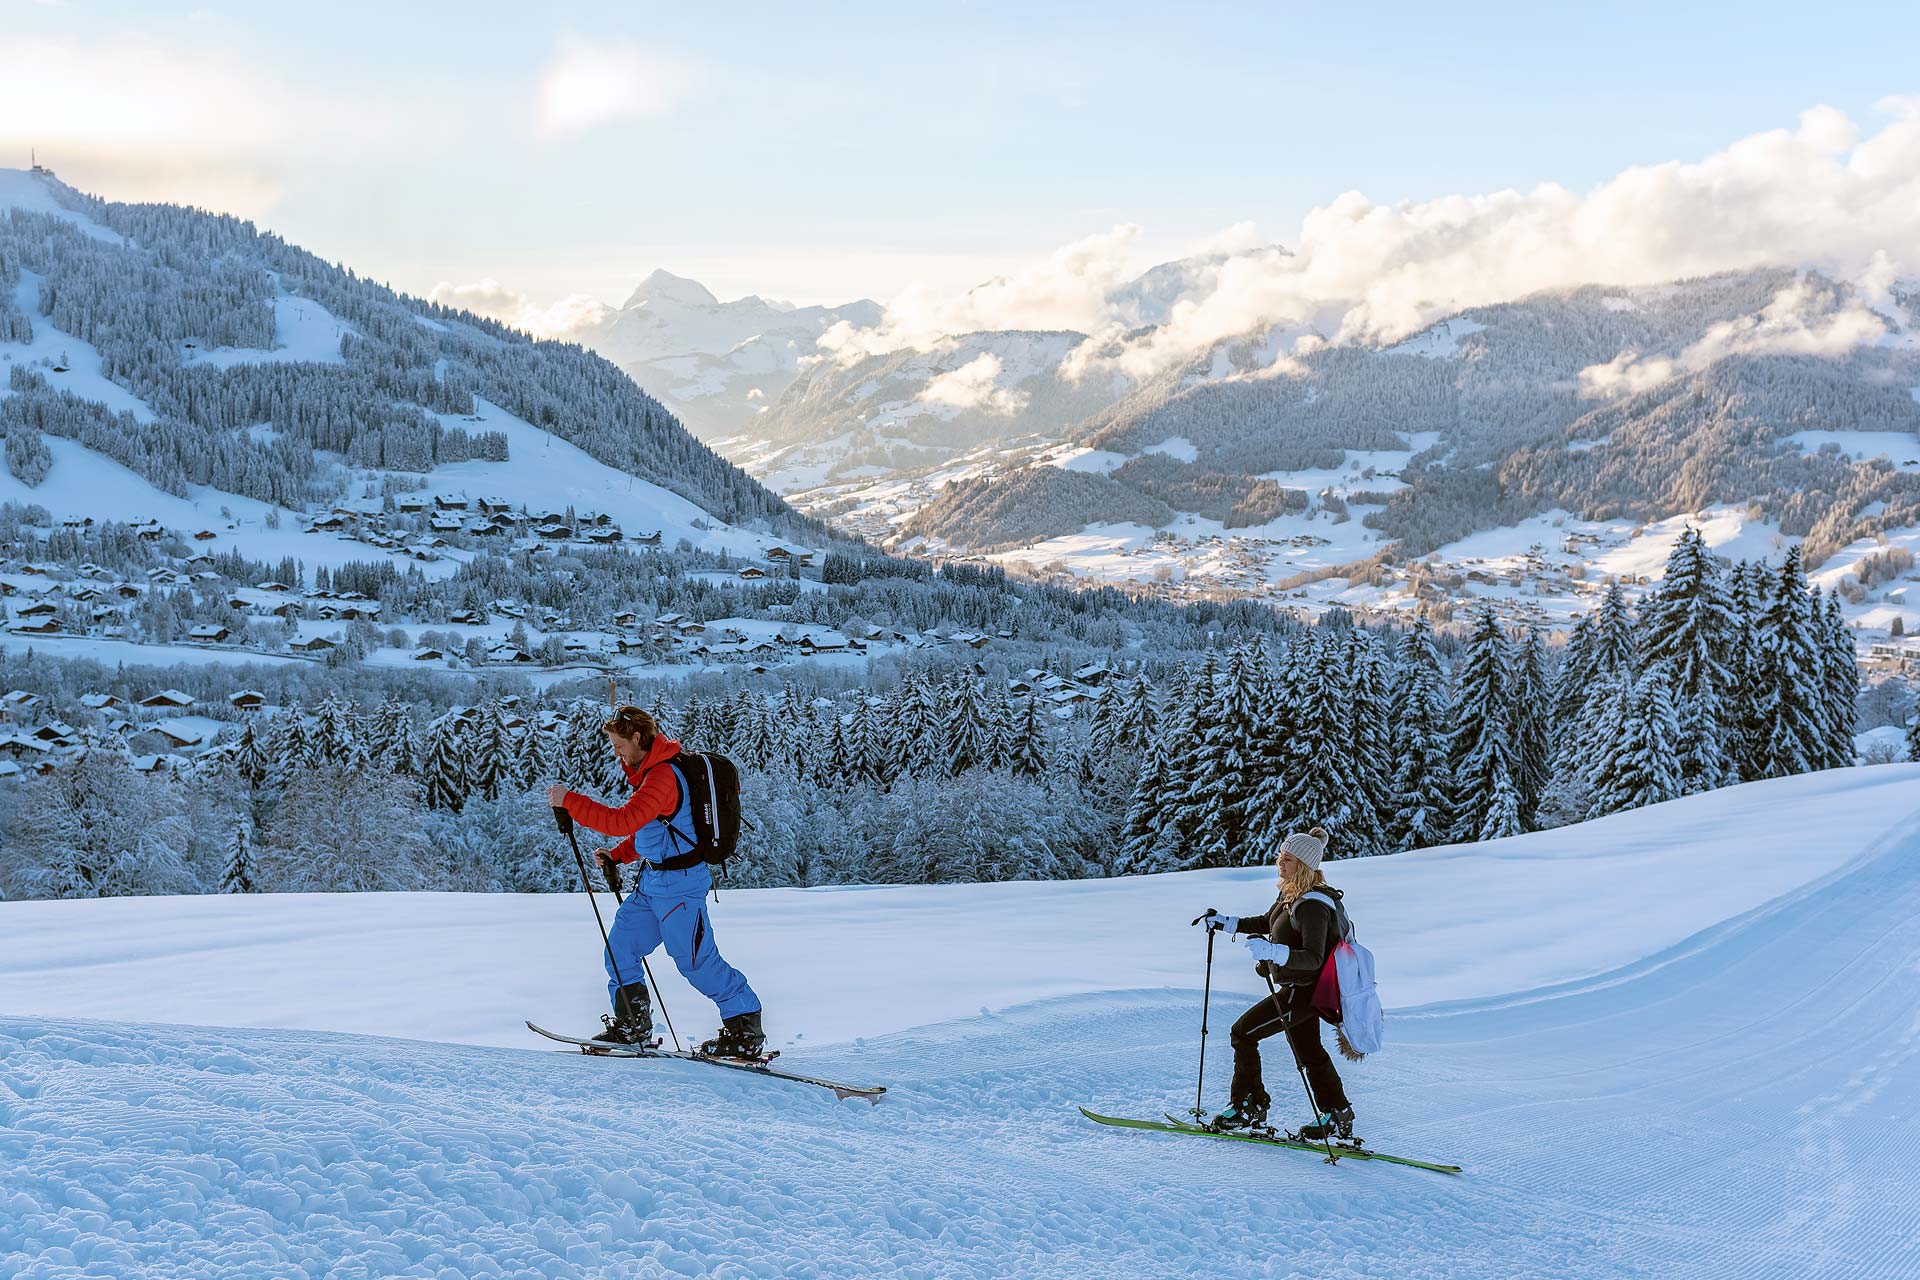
1270 1138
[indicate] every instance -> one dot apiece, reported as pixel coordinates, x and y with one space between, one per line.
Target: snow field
1687 1047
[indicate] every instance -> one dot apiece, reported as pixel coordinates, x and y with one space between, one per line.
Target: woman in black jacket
1290 944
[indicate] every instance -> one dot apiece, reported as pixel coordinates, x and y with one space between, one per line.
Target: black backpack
713 798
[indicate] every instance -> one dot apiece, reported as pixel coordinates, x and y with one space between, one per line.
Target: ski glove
1274 952
1215 921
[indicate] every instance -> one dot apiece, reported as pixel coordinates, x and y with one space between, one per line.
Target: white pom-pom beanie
1307 847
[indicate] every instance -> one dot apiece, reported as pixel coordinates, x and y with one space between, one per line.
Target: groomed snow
1715 1078
303 330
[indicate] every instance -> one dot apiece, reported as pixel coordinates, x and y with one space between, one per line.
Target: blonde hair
632 722
1303 879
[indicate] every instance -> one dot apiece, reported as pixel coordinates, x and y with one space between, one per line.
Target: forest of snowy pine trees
1727 673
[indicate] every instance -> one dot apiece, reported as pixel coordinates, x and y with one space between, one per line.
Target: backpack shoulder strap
1339 911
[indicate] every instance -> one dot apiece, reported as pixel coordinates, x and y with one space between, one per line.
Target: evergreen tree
490 763
241 874
391 742
1480 746
1503 813
1422 785
1027 757
1841 668
1639 767
1369 745
968 732
1148 842
1793 707
1614 634
249 758
1744 712
443 773
1532 768
1689 622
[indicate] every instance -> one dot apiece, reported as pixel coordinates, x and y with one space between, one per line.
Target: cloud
587 84
974 385
137 119
565 319
1822 195
1069 289
1803 319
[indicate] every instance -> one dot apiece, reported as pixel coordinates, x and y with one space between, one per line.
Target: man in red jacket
668 902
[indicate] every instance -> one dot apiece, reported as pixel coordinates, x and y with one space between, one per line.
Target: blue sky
823 152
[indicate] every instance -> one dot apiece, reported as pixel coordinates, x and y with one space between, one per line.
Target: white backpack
1345 993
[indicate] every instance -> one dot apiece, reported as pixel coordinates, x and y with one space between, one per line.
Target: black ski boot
739 1037
1241 1115
1332 1124
631 1022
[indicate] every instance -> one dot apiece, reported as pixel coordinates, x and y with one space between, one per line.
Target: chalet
148 764
751 573
467 618
508 653
204 535
488 529
445 524
128 591
289 609
77 522
410 505
829 642
19 746
8 770
423 555
1093 673
38 609
313 644
632 644
449 504
247 699
671 619
428 655
170 698
101 702
327 524
779 555
605 537
210 633
575 645
56 733
554 532
430 542
507 608
626 618
18 704
649 539
103 613
39 627
150 533
494 506
271 585
179 735
688 627
8 589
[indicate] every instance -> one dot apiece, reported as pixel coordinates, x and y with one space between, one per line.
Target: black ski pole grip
563 820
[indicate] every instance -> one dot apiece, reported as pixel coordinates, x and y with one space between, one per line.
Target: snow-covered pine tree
1422 784
1532 768
1572 684
1503 814
1688 623
1792 677
1638 766
443 768
491 759
1194 787
1324 793
1615 637
1480 746
1148 842
1842 683
241 874
1027 753
968 729
249 758
391 745
1744 711
1369 745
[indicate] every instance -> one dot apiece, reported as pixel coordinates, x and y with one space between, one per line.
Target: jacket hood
662 750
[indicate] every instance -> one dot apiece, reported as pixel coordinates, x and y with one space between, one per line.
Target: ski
1270 1138
757 1066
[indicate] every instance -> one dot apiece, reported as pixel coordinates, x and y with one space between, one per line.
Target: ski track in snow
1738 1105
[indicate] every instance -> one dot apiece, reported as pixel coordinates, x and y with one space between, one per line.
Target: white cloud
488 297
587 84
1802 319
1823 195
974 385
1069 289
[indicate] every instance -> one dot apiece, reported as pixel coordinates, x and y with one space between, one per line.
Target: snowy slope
1680 1042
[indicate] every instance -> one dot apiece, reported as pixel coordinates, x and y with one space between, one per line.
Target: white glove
1273 952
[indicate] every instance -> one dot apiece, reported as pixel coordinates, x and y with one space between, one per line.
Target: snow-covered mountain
1722 1088
717 365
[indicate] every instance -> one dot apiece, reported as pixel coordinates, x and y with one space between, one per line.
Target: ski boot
631 1022
739 1037
1330 1124
1241 1115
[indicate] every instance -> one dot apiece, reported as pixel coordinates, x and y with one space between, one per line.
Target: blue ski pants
671 907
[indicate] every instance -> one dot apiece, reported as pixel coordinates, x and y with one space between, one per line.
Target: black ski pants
1291 1011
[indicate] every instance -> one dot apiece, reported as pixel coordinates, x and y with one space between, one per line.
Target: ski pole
1206 1006
564 821
1326 1139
